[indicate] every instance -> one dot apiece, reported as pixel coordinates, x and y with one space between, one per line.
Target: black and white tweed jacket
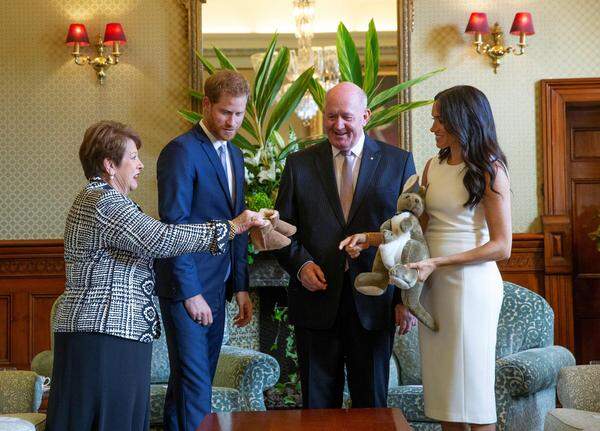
109 248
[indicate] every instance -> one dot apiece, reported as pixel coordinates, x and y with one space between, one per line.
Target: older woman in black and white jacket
107 319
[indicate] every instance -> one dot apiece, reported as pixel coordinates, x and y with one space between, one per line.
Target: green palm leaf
191 116
386 95
241 142
261 74
299 144
371 59
207 64
249 128
318 93
223 60
348 56
288 102
274 81
196 95
384 116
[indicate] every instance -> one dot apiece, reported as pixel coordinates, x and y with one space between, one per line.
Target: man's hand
245 309
354 244
312 277
404 319
198 310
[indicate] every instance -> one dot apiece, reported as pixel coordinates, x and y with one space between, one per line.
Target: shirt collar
356 149
212 138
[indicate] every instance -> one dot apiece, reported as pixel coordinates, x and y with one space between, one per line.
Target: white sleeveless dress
458 361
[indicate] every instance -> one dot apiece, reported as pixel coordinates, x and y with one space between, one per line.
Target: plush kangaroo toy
403 242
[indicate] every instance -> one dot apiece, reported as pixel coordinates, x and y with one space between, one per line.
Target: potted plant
367 79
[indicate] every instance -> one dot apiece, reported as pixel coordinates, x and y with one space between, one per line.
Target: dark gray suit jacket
308 198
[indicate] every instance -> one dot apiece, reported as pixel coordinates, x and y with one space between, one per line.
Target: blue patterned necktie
223 157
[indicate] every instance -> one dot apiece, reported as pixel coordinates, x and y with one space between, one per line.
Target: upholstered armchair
527 366
20 398
579 394
241 378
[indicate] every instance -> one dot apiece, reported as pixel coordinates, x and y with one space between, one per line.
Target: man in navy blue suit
346 185
201 178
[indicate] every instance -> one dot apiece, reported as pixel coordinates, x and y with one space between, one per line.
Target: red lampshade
478 23
77 33
522 24
114 33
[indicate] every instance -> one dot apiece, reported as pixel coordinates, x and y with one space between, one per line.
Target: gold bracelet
369 235
232 229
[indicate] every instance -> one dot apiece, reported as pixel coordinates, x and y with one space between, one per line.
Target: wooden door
571 151
583 178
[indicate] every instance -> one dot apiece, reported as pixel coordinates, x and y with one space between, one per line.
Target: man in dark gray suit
346 185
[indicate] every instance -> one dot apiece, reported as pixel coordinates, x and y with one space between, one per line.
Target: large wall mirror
246 29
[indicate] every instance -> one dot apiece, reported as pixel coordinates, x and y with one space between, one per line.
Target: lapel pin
371 158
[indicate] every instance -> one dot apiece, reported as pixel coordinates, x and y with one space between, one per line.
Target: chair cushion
571 420
409 399
223 400
578 387
20 392
23 422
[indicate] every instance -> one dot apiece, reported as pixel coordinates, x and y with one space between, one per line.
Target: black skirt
99 383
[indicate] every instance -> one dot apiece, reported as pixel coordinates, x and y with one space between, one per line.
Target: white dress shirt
218 144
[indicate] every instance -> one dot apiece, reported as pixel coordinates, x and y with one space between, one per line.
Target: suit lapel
324 165
368 166
213 157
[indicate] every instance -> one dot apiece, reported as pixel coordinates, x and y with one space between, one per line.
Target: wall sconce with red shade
113 36
478 25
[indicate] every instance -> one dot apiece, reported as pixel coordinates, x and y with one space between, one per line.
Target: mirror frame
405 26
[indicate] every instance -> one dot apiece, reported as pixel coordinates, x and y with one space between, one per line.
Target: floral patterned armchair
527 366
241 378
20 398
579 394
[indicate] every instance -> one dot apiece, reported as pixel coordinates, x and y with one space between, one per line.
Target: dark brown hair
105 140
466 114
226 82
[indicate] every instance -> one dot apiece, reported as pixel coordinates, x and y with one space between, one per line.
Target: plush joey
274 235
403 242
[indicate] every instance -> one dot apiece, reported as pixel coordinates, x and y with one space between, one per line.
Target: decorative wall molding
194 9
406 24
32 275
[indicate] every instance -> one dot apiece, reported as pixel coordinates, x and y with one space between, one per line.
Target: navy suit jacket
308 198
192 188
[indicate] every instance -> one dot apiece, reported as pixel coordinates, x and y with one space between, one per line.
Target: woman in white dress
468 229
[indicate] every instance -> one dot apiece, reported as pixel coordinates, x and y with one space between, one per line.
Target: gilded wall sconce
478 25
113 36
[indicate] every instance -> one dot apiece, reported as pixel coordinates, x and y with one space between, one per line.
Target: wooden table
308 420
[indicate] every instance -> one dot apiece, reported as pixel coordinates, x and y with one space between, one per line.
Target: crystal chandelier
324 59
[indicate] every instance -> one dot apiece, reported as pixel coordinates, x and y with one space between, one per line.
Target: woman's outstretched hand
248 219
354 244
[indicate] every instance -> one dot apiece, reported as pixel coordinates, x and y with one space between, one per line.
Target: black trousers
99 383
323 354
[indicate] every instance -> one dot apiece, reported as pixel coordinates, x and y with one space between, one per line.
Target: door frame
556 94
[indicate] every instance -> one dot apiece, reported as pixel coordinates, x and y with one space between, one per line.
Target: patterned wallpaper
48 101
564 46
